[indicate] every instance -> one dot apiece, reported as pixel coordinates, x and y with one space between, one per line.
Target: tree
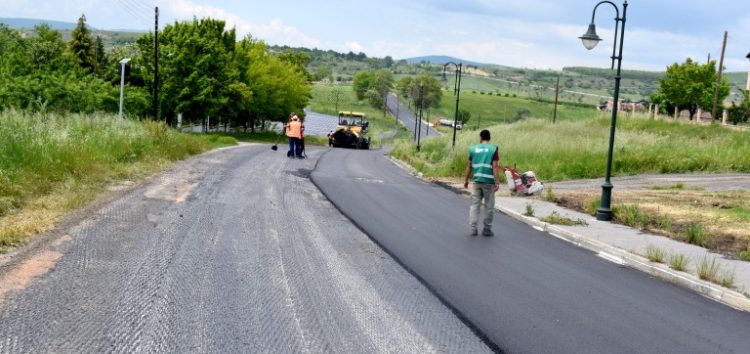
100 55
432 92
362 82
373 85
323 72
740 113
388 61
47 48
277 87
335 96
464 116
82 44
403 86
690 86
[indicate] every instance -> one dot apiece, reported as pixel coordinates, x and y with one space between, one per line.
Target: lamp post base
604 213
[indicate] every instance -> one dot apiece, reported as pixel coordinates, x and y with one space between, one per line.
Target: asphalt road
525 291
234 251
406 116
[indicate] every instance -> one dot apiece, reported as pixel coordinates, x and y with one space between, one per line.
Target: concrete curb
618 255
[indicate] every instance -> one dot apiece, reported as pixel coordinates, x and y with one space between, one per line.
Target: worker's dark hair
485 135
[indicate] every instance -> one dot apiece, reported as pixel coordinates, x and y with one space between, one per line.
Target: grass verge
52 164
578 149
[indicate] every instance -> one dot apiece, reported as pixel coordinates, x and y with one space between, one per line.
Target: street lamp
421 109
590 39
457 92
122 83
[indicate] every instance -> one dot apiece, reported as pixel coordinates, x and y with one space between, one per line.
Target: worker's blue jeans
295 147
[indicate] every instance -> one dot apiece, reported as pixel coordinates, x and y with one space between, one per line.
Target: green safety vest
481 162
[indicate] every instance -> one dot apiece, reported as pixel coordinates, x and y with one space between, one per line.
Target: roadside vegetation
578 149
51 164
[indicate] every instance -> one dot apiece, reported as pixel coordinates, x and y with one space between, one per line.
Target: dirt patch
21 276
717 220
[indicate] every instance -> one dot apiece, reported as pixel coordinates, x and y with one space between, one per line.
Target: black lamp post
457 92
590 40
421 106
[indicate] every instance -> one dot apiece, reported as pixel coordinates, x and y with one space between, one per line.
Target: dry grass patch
716 220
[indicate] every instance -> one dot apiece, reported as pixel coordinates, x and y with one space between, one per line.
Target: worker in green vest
483 166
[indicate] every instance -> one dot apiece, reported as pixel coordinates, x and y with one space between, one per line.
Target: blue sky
521 33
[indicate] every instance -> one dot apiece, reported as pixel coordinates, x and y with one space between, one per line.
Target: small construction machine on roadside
351 131
522 184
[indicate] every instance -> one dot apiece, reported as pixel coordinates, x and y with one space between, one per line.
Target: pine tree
100 56
82 44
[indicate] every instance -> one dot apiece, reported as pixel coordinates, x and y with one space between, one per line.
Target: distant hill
441 60
19 23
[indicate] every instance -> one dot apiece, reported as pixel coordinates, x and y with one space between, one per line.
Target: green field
489 109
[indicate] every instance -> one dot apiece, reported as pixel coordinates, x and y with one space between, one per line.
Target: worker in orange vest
294 131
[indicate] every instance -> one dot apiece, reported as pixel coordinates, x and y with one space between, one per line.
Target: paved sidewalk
627 246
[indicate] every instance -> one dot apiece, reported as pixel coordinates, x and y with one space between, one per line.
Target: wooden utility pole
557 93
718 78
155 101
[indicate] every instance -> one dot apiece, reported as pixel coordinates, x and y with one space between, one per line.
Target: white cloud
353 46
275 31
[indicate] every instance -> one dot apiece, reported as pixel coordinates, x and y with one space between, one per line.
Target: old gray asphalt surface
234 251
406 116
525 290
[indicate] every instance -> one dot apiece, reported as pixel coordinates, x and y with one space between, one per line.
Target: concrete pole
123 62
656 111
676 113
724 117
698 116
122 88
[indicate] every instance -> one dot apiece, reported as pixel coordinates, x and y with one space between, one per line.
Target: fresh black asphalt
523 290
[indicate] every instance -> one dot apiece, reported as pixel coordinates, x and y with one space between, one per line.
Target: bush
678 262
696 234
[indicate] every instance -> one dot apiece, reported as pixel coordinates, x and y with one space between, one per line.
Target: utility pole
557 93
718 78
155 100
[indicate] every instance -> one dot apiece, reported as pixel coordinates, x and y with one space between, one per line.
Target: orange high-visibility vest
294 130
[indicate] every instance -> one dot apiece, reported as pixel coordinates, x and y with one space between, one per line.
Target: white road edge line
611 258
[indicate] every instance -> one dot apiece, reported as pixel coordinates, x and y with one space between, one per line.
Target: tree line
203 71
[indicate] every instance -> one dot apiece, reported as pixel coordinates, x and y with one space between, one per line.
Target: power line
137 15
141 6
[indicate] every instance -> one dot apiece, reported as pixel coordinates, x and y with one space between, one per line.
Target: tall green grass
75 156
578 149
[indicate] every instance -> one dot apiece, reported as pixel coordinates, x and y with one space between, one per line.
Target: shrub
708 269
678 262
655 254
696 234
529 210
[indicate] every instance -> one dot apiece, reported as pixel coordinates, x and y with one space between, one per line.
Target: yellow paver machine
351 131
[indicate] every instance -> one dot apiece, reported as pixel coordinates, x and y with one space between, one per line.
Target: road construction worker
294 131
483 166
